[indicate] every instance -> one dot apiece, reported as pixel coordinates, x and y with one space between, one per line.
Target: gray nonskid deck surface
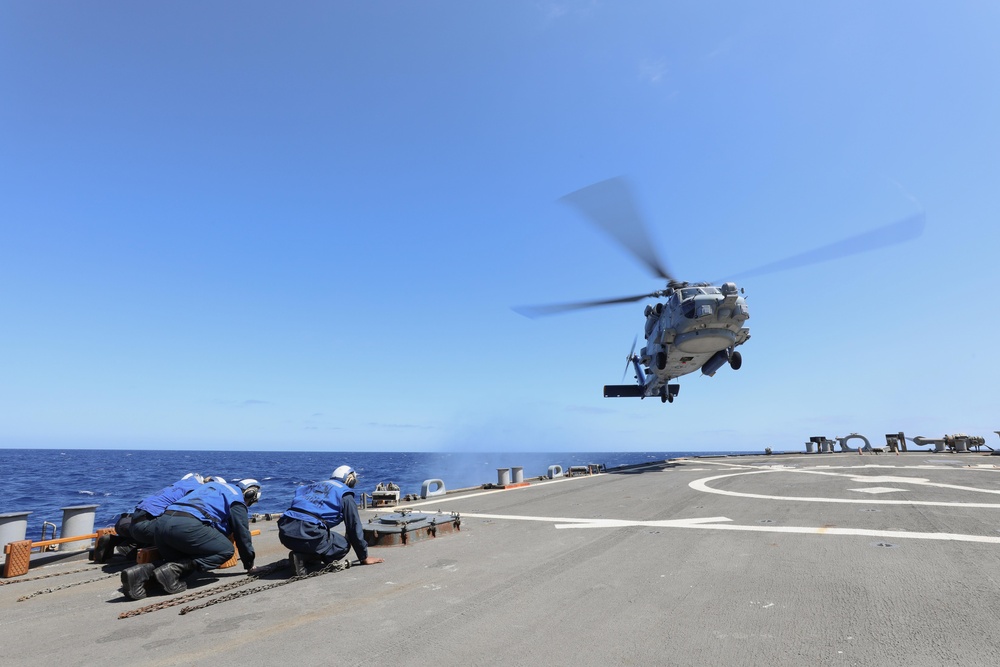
833 559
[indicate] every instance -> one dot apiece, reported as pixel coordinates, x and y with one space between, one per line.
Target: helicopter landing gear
735 360
668 393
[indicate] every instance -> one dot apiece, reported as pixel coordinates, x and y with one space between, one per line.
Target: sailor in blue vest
307 527
137 528
193 534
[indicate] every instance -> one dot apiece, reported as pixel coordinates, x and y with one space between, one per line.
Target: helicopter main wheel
666 396
661 360
736 360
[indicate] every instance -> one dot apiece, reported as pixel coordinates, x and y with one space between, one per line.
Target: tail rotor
631 357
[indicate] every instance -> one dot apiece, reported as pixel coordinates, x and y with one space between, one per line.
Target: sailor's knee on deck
213 561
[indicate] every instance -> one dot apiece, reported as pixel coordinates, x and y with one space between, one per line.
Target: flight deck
833 559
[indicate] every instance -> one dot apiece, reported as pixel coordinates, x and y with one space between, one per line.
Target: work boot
171 575
134 580
105 547
298 562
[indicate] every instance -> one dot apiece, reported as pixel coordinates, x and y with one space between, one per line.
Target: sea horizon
42 481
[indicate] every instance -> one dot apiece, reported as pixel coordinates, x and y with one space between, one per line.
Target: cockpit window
689 292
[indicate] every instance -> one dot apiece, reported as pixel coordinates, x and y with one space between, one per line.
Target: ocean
43 481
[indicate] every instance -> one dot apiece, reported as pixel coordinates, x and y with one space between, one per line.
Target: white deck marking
702 485
719 523
876 489
712 523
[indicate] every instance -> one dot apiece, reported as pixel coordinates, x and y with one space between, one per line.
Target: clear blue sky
265 226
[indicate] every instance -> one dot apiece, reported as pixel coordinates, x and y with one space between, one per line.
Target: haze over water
43 481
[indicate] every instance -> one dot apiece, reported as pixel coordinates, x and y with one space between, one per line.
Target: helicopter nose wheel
735 360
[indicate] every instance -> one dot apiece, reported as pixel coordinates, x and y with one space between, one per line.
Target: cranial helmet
346 475
215 478
197 476
251 490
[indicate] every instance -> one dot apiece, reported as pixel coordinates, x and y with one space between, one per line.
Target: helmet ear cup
251 490
345 475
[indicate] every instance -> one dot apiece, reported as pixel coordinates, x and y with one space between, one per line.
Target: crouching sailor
307 527
192 534
136 529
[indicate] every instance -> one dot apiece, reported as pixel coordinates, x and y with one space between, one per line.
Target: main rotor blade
901 231
610 205
553 309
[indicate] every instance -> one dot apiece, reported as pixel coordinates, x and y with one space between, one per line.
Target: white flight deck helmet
215 478
251 490
197 476
346 475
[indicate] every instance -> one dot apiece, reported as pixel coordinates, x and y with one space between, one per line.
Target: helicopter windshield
689 292
688 303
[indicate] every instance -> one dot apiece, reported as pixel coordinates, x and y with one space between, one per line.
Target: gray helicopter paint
700 325
690 329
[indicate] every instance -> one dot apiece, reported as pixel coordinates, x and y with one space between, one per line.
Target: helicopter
697 325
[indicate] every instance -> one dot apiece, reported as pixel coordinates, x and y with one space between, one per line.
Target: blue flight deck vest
210 502
156 503
320 501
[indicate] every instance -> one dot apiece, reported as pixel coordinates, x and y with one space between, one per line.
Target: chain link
70 585
335 566
19 580
205 592
156 606
250 578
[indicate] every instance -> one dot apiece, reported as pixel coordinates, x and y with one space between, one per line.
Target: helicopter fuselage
698 327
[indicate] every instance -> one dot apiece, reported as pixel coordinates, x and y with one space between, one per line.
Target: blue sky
262 226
